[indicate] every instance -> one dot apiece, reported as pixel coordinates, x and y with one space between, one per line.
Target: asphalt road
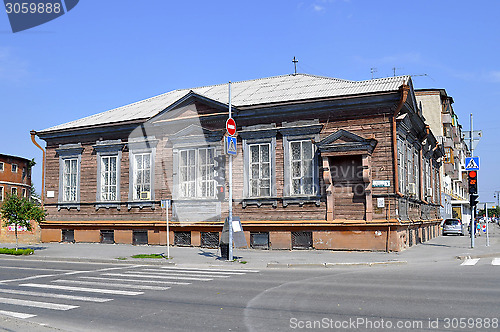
444 294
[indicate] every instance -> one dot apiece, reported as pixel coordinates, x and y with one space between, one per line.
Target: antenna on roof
373 70
394 70
295 65
422 75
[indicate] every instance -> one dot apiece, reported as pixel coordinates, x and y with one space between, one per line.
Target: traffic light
220 170
221 193
472 182
473 200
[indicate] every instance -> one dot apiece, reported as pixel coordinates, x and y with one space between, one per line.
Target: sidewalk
437 249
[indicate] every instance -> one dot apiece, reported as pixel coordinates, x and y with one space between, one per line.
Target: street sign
165 203
381 183
472 164
230 145
231 126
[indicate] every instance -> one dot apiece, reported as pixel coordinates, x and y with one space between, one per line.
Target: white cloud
318 8
494 76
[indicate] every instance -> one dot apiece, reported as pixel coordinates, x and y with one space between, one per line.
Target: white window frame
303 159
109 179
70 190
139 180
25 192
141 146
261 177
72 153
2 166
401 165
2 193
196 176
14 168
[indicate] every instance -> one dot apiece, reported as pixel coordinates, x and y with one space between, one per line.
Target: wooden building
322 163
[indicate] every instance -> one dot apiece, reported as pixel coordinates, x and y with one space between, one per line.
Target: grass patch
121 258
148 256
18 252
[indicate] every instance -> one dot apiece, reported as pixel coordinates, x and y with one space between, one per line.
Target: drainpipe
404 95
33 133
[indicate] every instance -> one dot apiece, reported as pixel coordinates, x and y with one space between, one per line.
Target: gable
346 141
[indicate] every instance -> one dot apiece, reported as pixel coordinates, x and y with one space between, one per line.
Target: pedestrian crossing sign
230 145
472 164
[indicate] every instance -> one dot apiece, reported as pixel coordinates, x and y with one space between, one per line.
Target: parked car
453 226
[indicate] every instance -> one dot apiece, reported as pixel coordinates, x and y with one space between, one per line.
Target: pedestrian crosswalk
68 290
474 261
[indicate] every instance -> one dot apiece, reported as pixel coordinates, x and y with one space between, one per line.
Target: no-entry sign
231 126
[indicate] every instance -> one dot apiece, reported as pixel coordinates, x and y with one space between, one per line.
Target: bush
13 251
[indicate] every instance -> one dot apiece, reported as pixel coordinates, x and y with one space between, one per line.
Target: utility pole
231 190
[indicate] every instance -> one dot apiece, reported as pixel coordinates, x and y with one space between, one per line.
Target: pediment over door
343 142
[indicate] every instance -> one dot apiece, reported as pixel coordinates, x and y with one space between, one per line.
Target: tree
19 211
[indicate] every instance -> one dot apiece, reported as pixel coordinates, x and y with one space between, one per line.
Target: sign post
231 130
165 204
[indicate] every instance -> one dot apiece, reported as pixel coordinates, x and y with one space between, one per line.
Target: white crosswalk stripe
140 280
136 275
208 270
96 283
470 261
83 289
496 261
19 315
37 304
56 296
177 274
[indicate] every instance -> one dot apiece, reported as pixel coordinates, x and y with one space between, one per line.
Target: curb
132 261
330 265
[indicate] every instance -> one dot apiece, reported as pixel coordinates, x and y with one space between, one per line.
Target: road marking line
83 289
496 261
153 276
37 304
19 315
33 268
135 280
166 273
195 272
200 269
56 296
95 283
29 278
470 261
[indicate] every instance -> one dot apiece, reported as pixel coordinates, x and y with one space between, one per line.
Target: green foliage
8 251
18 212
149 256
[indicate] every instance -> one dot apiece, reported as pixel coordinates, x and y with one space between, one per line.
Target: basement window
182 238
259 240
108 236
210 239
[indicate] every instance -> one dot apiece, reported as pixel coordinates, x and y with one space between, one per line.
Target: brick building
323 163
15 179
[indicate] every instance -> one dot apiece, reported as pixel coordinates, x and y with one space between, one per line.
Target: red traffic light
472 174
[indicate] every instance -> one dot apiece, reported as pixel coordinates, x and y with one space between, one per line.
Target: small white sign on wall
380 202
50 194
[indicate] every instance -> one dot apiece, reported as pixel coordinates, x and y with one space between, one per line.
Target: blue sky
104 54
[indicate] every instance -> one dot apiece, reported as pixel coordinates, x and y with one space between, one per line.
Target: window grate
182 238
140 237
210 239
301 240
259 240
107 236
68 235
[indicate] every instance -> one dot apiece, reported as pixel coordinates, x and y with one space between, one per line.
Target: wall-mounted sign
381 183
380 202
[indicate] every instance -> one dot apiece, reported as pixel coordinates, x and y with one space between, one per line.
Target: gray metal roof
245 93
